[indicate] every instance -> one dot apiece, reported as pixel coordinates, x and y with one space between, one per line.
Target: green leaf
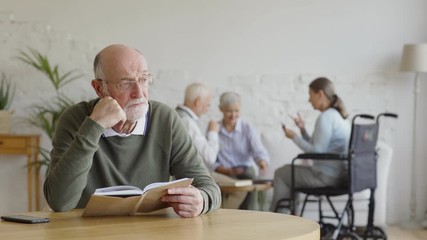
45 114
41 63
7 92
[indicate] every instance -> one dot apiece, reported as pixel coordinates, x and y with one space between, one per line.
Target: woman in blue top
331 135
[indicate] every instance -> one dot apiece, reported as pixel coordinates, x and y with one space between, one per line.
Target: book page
121 190
159 184
151 198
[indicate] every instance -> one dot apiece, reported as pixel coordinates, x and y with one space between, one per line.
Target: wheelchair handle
386 114
366 116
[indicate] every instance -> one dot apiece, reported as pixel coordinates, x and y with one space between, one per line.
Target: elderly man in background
197 101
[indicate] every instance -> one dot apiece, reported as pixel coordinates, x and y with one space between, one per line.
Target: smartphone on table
25 219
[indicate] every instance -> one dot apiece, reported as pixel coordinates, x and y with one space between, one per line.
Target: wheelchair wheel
349 236
326 230
376 233
348 233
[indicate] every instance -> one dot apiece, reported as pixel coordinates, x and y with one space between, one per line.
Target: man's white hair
195 90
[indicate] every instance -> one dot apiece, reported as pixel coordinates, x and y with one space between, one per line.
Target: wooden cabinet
25 145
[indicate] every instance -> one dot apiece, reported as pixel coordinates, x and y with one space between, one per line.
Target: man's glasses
126 85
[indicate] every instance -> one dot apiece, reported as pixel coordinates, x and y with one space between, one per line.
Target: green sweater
82 159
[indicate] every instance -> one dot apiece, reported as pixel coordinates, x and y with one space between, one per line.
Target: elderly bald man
123 138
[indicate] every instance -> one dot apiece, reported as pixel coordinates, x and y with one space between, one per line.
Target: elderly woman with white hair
240 144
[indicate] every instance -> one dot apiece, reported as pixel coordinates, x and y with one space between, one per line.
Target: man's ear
197 101
98 87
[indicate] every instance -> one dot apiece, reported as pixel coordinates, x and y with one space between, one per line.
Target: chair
362 174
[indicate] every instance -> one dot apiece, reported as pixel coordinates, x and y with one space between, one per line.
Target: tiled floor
397 233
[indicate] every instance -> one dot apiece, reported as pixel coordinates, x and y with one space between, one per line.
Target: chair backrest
362 155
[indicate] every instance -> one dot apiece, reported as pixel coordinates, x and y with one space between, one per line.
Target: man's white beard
134 113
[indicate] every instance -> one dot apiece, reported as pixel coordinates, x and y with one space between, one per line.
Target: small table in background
25 145
257 188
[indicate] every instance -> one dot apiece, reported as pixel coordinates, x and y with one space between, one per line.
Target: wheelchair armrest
320 157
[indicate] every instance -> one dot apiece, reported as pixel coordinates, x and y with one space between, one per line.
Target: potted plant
44 115
7 92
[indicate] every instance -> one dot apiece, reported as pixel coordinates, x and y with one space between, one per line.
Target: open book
128 200
225 181
236 183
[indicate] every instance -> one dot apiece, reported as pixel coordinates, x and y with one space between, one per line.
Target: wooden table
220 224
257 189
26 145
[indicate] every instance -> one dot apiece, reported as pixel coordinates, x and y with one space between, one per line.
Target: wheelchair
361 174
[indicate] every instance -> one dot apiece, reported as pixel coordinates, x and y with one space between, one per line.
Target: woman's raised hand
298 121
